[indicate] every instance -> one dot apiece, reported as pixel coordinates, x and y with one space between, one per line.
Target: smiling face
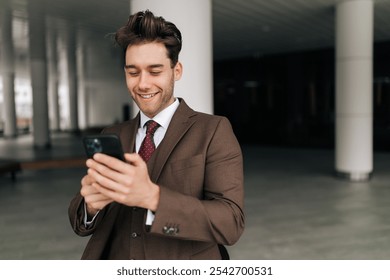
150 78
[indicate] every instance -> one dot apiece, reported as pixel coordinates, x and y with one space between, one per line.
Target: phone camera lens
93 146
97 146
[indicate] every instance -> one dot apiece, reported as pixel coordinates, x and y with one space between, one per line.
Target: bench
10 166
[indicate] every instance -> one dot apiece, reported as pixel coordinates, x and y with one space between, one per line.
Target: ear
178 71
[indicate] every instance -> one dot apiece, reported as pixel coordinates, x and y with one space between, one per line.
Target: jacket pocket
187 175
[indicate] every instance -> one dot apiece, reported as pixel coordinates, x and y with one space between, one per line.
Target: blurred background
273 67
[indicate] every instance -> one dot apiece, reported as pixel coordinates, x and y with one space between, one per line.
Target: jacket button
134 235
170 230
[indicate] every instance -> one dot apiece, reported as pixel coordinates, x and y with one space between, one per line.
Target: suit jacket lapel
180 123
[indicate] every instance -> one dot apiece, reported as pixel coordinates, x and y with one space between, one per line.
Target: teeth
147 95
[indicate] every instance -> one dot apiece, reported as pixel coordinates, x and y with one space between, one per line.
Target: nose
144 82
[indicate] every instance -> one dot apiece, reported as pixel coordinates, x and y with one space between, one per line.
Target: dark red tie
147 147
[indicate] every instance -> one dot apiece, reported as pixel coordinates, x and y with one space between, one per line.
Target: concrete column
7 70
196 84
354 116
81 80
52 57
38 73
70 46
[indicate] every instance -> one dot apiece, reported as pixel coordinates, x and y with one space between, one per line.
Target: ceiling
240 27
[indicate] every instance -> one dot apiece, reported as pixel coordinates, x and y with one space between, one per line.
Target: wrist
91 212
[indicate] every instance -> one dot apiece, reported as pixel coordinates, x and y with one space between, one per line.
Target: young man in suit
187 200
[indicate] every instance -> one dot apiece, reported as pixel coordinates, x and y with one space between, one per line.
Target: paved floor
296 208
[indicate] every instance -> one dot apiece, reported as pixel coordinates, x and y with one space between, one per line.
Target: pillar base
354 176
45 146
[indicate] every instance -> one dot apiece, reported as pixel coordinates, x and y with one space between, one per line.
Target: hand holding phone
108 144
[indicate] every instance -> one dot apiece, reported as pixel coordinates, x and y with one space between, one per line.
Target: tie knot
151 127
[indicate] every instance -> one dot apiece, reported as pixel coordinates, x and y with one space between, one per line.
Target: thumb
134 159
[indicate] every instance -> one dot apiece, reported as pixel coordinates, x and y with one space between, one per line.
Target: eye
155 73
133 74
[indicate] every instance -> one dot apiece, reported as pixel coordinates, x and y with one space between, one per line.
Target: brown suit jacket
199 168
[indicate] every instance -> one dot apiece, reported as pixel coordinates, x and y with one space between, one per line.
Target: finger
110 167
109 193
100 172
123 173
110 161
93 198
87 180
139 167
87 190
134 159
97 198
109 182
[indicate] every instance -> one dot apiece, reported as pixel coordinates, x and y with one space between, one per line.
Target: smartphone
108 144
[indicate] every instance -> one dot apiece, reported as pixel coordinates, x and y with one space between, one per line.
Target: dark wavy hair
145 27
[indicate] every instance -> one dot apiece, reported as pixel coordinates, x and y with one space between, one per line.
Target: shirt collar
164 117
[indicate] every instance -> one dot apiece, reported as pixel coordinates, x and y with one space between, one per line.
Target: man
187 199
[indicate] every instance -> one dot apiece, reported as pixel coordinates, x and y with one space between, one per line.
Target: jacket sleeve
217 215
76 213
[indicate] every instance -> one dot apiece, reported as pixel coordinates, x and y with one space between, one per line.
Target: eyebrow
131 66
